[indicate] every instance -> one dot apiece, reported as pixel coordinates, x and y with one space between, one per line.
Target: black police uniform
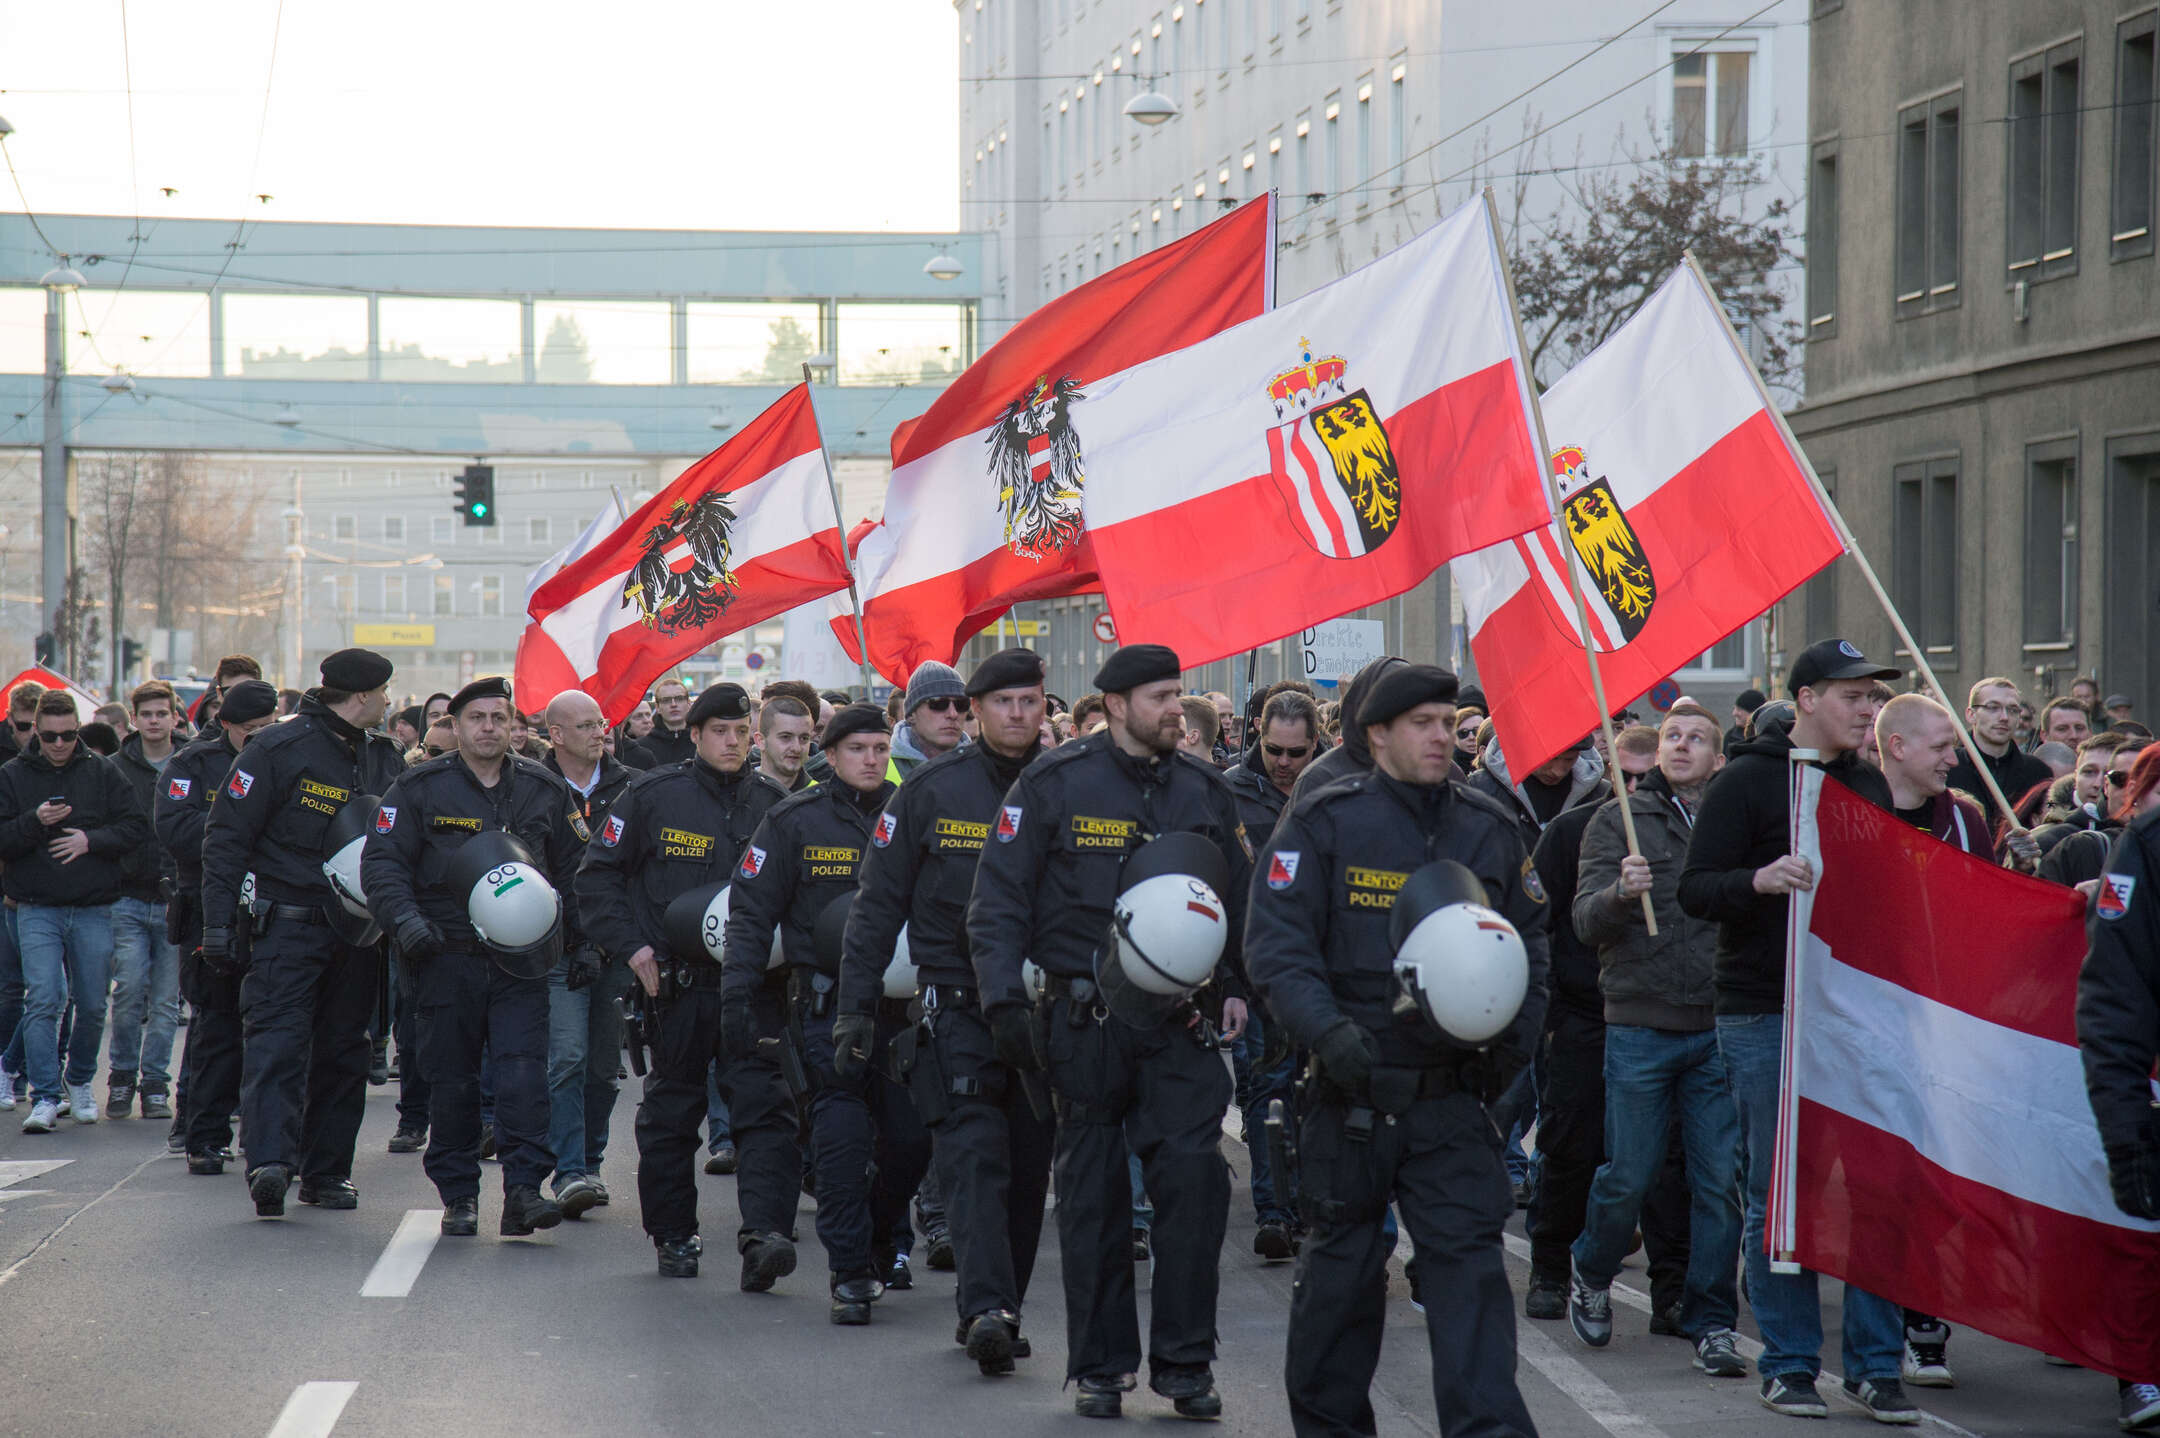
2118 1014
1045 890
806 855
210 1063
588 1088
672 830
463 1000
1317 944
990 1149
308 995
1259 1083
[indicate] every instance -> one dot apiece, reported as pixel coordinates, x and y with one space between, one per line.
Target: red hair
2144 778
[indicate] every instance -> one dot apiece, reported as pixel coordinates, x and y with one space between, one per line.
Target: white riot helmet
900 975
1167 928
829 937
1459 963
344 841
1034 980
512 906
695 925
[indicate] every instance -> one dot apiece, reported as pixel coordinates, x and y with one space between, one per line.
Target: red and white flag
746 533
542 670
1936 1144
1686 514
985 503
1328 454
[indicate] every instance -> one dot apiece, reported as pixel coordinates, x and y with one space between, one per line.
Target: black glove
738 1039
418 940
2134 1175
584 968
217 949
852 1035
1346 1053
1012 1032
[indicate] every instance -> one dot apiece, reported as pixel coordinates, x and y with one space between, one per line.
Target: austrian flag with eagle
743 535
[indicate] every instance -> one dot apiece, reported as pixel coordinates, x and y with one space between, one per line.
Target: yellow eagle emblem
1612 554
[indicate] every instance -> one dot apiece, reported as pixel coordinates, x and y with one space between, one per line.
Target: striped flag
542 670
1935 1144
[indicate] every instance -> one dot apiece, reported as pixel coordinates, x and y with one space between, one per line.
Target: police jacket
148 865
191 780
805 854
436 808
1572 983
2118 1004
1259 802
921 869
609 780
275 807
671 830
1316 934
105 809
1049 875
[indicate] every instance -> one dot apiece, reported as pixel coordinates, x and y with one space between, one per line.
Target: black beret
722 701
1402 689
356 671
492 687
246 702
853 719
1135 665
1006 669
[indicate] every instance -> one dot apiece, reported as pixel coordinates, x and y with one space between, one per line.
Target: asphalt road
142 1301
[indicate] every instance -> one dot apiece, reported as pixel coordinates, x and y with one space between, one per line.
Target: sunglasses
58 736
437 753
1276 751
2118 777
944 704
23 726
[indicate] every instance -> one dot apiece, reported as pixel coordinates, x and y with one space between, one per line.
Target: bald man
1919 748
584 1020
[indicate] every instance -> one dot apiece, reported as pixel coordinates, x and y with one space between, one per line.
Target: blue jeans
1647 1073
1143 1208
1787 1307
146 995
584 1037
1254 1090
1514 1113
64 950
11 995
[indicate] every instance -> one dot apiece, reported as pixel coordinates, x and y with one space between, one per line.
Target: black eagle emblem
683 580
1035 459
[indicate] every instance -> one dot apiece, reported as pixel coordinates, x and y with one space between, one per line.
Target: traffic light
476 494
131 653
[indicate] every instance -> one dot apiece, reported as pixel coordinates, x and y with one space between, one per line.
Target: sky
721 114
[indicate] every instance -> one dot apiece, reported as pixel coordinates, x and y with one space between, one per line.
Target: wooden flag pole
832 487
1582 608
1859 557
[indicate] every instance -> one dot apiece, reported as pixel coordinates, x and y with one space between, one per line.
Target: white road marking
14 1171
399 1267
313 1410
1585 1389
69 1222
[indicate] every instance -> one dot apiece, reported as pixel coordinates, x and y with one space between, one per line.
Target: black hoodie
105 810
1352 755
1743 824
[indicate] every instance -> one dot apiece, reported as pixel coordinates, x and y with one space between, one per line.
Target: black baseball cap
1831 659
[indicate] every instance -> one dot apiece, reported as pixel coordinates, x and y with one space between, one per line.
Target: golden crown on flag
1307 380
1568 465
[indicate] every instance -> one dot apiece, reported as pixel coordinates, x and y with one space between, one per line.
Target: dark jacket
671 830
182 809
437 808
1661 983
1744 823
2016 771
105 809
2118 1004
1352 755
1259 802
1573 982
1960 823
610 779
1049 876
149 867
1323 888
665 746
275 805
1585 786
920 870
807 852
2079 857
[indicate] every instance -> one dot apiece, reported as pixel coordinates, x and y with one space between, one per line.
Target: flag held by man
746 533
1684 512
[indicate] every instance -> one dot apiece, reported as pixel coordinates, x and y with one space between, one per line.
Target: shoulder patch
753 860
240 783
1531 883
1282 868
178 788
887 826
386 818
612 831
2112 901
578 827
1008 824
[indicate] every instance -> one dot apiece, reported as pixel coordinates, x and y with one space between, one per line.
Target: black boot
939 1252
461 1217
766 1259
329 1193
409 1138
679 1256
1101 1395
1190 1390
851 1300
205 1165
378 1072
267 1185
895 1268
525 1209
990 1342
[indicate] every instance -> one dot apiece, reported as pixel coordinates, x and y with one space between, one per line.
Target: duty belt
292 913
1391 1089
949 996
697 976
1079 990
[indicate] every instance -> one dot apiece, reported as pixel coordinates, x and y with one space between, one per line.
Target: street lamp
58 534
1151 107
942 266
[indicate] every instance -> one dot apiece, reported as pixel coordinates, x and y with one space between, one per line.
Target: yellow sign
395 636
1021 628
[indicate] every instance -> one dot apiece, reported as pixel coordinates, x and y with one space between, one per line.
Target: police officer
210 1064
803 858
1044 891
467 995
1392 1111
309 993
677 828
990 1140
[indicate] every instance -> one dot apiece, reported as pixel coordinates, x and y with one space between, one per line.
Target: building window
445 594
1927 205
2042 142
1304 157
1710 103
1332 156
440 529
2051 543
1398 121
1822 244
2136 80
345 594
393 529
537 529
1364 141
393 594
1819 600
345 527
1924 537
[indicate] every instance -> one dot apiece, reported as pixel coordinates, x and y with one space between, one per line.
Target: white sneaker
82 1102
7 1090
44 1116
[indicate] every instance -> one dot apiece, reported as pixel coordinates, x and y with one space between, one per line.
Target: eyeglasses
1276 751
23 726
437 753
58 736
944 704
2118 777
1630 780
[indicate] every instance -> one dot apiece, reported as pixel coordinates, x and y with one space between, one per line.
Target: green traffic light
479 510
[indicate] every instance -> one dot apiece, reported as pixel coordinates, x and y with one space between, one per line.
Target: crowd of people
901 957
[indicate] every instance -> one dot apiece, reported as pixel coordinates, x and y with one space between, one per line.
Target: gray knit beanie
932 680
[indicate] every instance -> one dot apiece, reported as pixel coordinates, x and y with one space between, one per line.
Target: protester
784 741
1202 727
668 741
931 719
146 965
2064 720
2060 758
1991 714
1743 709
